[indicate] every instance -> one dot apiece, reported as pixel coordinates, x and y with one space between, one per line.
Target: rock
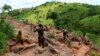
54 51
16 50
71 35
75 45
50 41
9 54
65 54
40 50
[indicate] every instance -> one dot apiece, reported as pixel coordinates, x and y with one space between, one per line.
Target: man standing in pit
65 34
40 29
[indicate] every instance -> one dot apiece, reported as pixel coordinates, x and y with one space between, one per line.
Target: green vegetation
92 22
94 39
6 9
3 43
6 28
6 32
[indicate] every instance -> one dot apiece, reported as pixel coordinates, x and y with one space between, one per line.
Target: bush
3 43
7 28
95 39
92 22
79 33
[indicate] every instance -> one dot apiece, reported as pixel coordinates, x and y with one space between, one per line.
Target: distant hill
65 10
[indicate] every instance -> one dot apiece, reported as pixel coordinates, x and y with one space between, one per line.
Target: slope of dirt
60 49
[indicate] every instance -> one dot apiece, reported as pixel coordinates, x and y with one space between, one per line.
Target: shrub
79 33
95 39
3 43
7 28
92 22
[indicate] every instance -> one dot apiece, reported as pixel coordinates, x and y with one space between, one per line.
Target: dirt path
84 49
62 49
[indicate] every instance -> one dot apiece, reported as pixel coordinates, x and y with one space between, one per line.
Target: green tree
6 8
53 15
92 22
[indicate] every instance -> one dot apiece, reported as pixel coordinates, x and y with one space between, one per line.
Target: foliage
70 15
7 28
3 43
6 7
79 33
95 39
52 15
92 22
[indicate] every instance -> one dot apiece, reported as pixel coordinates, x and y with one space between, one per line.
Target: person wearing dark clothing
65 34
40 30
31 27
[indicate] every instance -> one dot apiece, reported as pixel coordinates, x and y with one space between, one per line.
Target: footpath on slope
61 49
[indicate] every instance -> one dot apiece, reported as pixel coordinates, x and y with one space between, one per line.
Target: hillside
56 46
77 18
72 16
